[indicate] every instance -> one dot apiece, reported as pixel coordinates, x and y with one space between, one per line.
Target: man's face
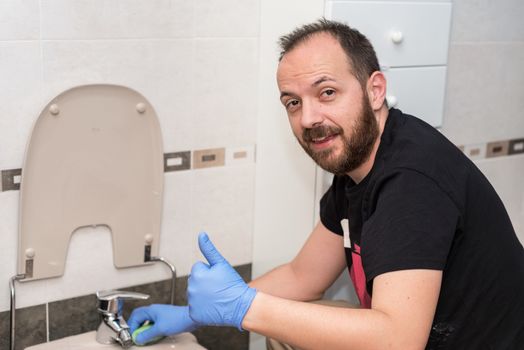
328 110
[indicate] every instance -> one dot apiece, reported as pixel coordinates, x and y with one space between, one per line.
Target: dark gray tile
72 316
30 327
244 271
177 161
222 338
9 179
516 146
4 330
159 293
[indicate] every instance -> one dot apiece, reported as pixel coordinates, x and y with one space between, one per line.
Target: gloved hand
216 293
167 319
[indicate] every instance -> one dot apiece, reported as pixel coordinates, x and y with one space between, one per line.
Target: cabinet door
418 91
403 33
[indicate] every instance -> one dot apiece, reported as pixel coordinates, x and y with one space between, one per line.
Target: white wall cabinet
418 91
411 40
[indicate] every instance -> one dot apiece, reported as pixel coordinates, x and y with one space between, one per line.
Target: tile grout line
47 321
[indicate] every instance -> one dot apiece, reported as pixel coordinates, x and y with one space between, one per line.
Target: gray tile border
159 293
72 316
30 327
173 161
493 149
222 338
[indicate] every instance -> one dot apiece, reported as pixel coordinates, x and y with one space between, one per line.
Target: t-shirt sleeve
412 226
332 206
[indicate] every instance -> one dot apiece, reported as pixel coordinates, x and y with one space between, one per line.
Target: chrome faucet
113 328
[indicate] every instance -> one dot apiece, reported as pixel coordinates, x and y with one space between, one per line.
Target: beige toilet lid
94 158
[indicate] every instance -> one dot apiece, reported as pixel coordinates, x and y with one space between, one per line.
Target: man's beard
356 148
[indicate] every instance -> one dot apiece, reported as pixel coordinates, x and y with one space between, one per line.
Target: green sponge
142 328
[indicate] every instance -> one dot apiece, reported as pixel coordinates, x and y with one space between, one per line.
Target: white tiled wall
21 89
228 117
487 21
106 19
485 90
195 61
20 20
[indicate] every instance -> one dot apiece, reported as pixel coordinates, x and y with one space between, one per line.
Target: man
431 251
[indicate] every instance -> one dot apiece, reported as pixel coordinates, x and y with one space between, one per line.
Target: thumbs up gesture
216 293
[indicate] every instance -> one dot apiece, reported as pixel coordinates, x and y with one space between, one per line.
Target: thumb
207 248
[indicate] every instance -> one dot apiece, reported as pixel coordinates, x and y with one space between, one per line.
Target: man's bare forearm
400 317
312 326
283 282
311 272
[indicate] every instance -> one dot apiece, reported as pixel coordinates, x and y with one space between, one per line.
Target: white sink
87 341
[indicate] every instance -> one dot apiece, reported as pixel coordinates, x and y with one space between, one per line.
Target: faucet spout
113 328
124 338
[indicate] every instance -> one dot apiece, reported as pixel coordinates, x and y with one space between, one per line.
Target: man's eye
291 104
328 92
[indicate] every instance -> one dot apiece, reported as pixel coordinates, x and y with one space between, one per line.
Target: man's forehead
319 55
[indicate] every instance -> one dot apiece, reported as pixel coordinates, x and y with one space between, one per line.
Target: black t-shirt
424 205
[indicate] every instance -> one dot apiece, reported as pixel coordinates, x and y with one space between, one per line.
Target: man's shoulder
409 142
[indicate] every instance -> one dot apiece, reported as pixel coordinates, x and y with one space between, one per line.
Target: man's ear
377 90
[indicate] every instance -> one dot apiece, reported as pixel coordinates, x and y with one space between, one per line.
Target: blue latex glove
167 319
216 293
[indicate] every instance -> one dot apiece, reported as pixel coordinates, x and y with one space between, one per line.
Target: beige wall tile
106 19
484 92
21 87
226 18
225 100
19 19
481 21
223 207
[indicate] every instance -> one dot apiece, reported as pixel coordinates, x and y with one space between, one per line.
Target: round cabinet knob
392 101
396 36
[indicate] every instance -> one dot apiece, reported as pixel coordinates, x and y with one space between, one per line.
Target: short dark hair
359 51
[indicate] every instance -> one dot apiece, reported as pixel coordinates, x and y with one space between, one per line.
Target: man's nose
311 115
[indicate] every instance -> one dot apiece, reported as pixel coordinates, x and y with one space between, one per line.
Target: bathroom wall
197 63
208 68
485 94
